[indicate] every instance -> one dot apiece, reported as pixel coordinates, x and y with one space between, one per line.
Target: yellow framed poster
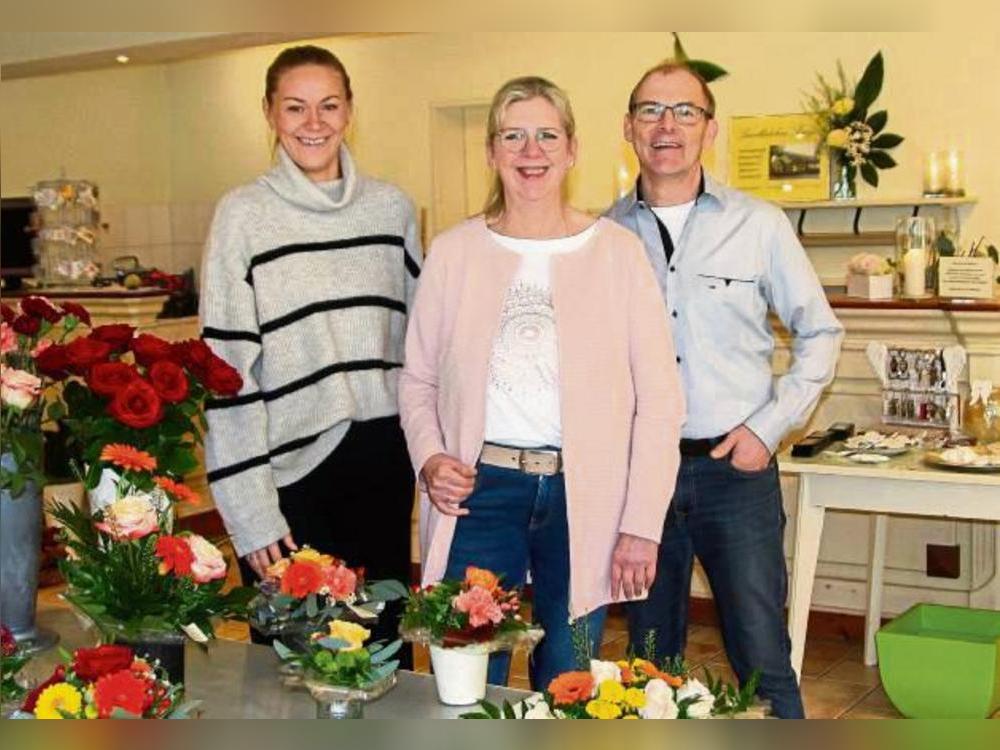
777 157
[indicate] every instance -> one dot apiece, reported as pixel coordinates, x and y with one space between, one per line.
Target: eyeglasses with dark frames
684 113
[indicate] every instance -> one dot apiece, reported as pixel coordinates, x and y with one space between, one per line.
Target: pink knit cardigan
621 401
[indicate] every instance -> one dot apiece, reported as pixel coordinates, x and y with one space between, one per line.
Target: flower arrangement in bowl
107 682
339 670
138 390
857 140
463 622
132 577
299 594
869 276
632 688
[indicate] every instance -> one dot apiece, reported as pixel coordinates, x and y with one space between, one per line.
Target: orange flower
649 669
128 457
571 687
481 577
179 492
302 579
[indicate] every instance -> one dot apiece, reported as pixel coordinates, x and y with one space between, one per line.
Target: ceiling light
122 59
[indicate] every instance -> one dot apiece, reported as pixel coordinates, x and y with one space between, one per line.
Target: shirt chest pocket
730 290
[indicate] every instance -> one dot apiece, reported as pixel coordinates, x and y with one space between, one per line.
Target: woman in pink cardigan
540 396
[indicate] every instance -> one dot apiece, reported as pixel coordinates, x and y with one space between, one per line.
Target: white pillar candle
914 272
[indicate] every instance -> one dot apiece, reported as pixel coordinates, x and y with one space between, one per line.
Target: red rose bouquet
29 333
107 682
138 390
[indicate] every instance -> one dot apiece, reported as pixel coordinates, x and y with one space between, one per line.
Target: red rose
137 405
53 362
7 643
39 307
169 381
8 314
57 676
195 355
86 351
77 311
149 349
175 555
222 378
107 378
91 663
117 334
27 325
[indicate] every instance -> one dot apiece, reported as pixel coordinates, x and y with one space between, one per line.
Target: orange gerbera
179 492
571 687
128 457
649 669
481 577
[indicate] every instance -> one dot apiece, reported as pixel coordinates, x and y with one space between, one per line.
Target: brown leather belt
529 460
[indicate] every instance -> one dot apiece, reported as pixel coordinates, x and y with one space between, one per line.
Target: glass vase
843 181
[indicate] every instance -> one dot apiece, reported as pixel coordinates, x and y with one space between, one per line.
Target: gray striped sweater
305 289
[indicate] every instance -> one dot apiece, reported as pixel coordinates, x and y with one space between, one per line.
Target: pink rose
340 581
8 339
131 517
41 346
209 564
480 606
18 389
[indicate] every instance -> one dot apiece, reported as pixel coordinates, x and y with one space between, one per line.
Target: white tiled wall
168 236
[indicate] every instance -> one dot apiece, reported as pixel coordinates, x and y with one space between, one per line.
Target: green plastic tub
941 662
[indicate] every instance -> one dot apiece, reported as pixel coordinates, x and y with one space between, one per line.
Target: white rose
209 563
604 670
701 708
537 710
659 701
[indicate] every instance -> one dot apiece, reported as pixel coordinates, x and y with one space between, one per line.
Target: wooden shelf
847 239
879 202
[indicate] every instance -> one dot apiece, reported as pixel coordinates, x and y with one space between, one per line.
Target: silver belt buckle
527 455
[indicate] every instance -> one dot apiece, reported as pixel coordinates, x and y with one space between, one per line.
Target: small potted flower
869 276
339 670
301 593
107 682
137 581
463 622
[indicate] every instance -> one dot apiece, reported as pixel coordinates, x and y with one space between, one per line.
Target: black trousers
357 505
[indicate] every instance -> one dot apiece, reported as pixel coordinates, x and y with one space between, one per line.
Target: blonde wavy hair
519 90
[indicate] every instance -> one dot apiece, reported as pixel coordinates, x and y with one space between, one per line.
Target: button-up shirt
736 258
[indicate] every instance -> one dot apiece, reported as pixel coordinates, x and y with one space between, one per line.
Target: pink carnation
479 604
340 580
8 339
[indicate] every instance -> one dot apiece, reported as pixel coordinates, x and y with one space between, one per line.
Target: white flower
868 264
537 710
659 701
701 708
604 670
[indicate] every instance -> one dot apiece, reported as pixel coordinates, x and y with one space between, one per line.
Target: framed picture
777 157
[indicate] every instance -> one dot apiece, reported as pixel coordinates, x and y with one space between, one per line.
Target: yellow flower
630 716
635 698
57 698
603 710
354 634
308 554
611 691
843 106
837 138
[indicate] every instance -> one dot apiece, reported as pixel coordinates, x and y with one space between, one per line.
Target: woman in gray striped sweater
308 275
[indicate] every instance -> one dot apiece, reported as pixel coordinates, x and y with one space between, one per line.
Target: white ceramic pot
460 674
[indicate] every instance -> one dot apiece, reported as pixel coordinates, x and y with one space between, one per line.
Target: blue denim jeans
733 521
516 524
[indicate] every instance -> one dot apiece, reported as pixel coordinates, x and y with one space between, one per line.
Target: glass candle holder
934 174
915 255
954 182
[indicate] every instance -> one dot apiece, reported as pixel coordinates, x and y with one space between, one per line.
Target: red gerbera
301 579
122 690
175 555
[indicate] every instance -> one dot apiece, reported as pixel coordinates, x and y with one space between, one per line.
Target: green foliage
326 661
730 700
709 71
869 87
118 584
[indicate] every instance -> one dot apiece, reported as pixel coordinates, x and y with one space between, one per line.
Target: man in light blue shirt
723 260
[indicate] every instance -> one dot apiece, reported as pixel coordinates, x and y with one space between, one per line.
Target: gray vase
20 551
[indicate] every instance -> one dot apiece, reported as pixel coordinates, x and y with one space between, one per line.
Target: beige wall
185 132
